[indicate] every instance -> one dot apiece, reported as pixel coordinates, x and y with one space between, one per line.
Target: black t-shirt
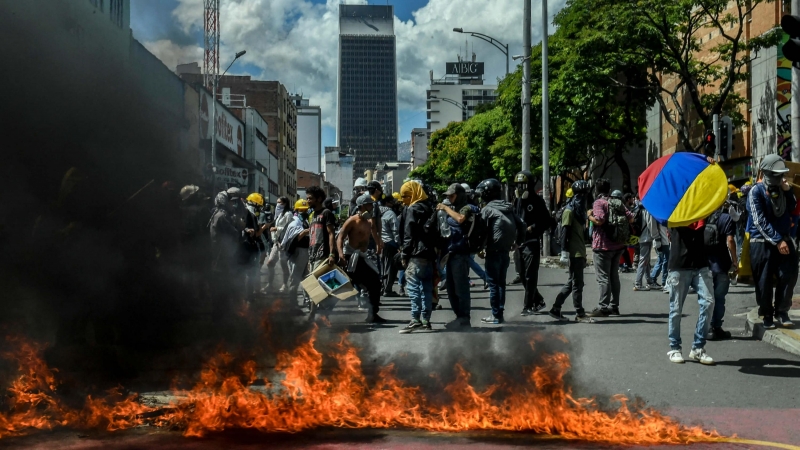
320 241
687 248
719 258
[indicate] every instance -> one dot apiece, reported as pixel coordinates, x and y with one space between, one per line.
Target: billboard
229 129
232 176
466 69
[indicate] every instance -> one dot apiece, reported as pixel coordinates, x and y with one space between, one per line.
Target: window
116 12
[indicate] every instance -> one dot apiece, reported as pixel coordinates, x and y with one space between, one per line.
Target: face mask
521 194
279 209
366 215
253 210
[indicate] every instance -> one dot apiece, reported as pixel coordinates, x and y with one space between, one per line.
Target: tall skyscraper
367 116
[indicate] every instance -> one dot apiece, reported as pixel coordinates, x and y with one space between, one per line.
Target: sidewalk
787 339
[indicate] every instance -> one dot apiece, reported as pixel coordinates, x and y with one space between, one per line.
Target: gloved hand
564 258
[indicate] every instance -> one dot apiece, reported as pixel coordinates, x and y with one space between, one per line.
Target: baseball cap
773 163
454 188
363 200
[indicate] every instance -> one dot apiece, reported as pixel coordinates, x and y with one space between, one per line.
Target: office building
456 96
309 135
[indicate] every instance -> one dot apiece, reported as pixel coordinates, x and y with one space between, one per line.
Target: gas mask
366 215
773 182
253 210
521 192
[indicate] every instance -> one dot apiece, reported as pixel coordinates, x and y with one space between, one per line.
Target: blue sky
295 42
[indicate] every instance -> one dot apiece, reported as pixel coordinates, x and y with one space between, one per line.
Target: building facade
309 135
419 146
367 88
456 96
339 171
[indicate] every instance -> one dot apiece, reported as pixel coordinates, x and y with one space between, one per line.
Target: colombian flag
682 188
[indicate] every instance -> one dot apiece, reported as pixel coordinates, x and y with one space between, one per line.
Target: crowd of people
428 245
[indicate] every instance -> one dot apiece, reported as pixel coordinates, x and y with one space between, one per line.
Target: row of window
116 10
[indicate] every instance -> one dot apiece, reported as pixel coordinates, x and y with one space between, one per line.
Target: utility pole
795 111
526 86
545 125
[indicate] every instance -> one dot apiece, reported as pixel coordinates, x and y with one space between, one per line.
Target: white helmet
466 187
360 182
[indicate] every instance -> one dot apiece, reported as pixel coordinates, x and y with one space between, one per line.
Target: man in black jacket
418 256
532 210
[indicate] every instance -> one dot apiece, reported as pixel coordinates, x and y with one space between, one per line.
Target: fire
301 398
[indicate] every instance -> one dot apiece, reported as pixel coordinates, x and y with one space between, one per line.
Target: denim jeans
700 280
476 268
297 263
458 285
721 284
401 278
643 270
574 285
661 265
606 266
419 287
496 269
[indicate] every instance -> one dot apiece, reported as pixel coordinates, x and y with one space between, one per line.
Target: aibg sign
465 68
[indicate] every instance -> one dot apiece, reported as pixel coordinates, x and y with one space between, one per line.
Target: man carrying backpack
648 233
461 219
532 210
610 233
504 231
720 238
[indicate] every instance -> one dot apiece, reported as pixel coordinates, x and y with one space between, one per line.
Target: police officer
532 210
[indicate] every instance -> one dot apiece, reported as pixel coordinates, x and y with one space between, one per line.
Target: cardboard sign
317 291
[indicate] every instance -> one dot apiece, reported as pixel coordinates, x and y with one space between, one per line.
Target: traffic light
791 26
709 142
726 137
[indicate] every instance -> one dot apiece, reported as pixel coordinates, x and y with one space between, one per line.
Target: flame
301 398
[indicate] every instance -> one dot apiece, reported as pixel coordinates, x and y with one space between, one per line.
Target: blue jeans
721 284
419 287
476 268
496 270
661 264
700 280
458 285
401 278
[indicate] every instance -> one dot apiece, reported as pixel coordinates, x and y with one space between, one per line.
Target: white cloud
296 42
172 54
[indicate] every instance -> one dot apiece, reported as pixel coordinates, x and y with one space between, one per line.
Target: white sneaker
699 354
675 356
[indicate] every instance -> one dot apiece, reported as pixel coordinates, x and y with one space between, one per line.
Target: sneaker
556 314
718 334
526 312
614 312
362 305
471 284
437 307
426 326
414 325
584 319
665 290
641 288
782 318
442 284
402 292
374 318
675 356
700 355
485 285
516 280
655 285
492 320
599 312
768 323
539 307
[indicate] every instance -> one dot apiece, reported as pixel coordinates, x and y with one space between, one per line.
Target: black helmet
489 190
523 177
580 187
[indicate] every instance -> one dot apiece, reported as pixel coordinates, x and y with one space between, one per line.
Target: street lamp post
451 101
213 120
500 46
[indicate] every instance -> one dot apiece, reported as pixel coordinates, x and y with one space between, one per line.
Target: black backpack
437 236
476 233
711 231
638 221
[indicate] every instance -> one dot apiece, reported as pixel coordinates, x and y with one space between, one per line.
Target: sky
296 43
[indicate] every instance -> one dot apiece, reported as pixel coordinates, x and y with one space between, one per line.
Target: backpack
638 221
476 234
711 231
617 226
437 231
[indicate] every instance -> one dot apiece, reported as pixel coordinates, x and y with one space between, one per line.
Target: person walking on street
418 257
661 244
460 218
721 240
323 230
772 253
504 231
649 233
283 217
688 268
531 210
610 235
391 247
296 243
573 252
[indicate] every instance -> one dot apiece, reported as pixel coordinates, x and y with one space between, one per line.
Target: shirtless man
356 231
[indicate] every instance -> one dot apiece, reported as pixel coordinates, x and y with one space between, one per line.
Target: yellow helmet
396 196
256 199
570 194
301 205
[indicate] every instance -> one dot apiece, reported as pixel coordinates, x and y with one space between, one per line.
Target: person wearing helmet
611 222
390 238
284 211
505 230
573 251
225 238
532 210
772 253
251 246
359 187
295 244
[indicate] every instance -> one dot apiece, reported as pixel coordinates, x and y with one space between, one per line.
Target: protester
532 210
460 218
252 246
720 235
295 245
390 238
649 232
322 232
418 257
505 231
688 268
224 242
573 252
773 257
609 240
283 217
661 244
472 199
352 244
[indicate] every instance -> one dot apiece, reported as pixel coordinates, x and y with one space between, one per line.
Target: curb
786 339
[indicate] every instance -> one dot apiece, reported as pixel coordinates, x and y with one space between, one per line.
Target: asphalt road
753 391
